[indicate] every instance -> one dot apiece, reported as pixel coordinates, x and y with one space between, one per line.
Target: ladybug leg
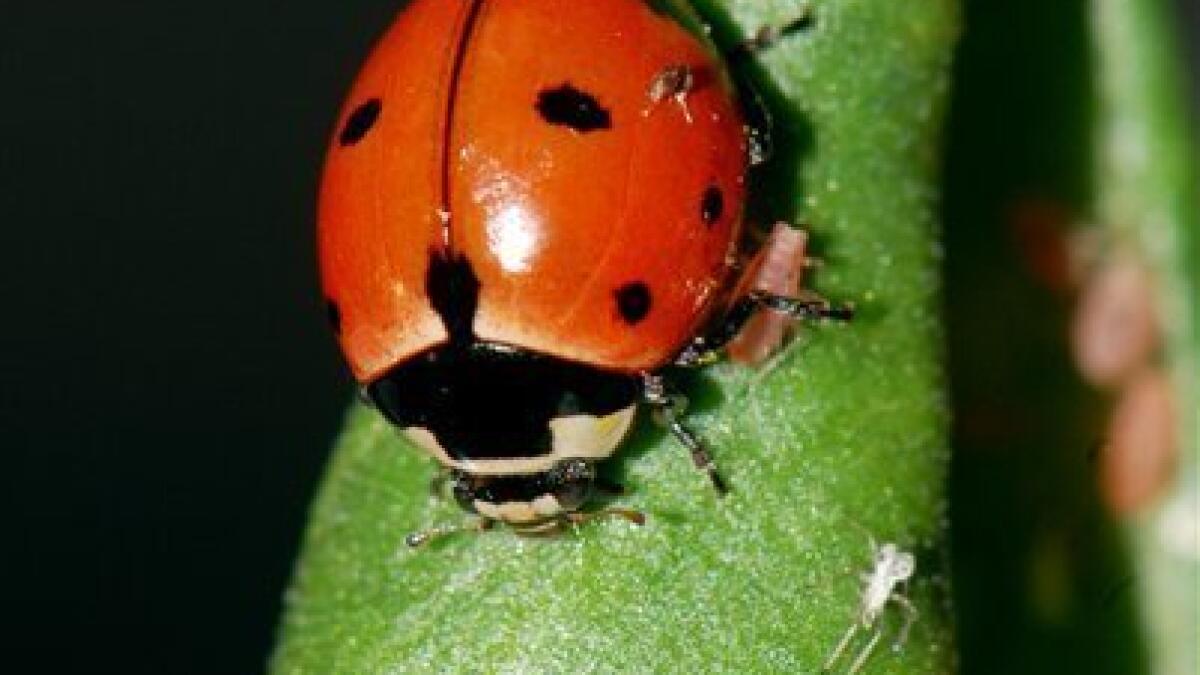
667 407
706 349
768 36
758 116
419 539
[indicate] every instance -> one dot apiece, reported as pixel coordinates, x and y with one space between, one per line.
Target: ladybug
529 209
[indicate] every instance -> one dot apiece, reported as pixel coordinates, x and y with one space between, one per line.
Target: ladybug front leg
667 407
419 539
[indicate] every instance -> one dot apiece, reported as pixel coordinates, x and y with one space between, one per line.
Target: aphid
778 270
891 567
1139 458
1114 330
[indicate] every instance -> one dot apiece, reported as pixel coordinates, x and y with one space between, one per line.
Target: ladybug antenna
419 539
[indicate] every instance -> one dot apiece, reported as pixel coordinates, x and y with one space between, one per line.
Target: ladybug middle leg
708 348
667 407
767 36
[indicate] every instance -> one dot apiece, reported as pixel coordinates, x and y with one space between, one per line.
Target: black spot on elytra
633 302
333 315
569 107
712 205
360 122
453 290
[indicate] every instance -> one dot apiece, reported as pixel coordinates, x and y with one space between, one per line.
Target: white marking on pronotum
572 437
891 567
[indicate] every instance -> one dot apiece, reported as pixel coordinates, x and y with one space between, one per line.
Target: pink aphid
1140 458
1114 330
777 269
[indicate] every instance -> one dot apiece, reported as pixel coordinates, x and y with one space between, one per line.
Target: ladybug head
515 426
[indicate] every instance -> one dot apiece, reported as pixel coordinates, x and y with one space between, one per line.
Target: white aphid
891 567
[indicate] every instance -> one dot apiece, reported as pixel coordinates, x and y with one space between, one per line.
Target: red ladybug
530 208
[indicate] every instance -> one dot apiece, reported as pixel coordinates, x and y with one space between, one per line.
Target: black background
169 387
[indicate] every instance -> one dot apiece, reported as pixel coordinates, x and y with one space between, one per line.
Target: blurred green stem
1148 188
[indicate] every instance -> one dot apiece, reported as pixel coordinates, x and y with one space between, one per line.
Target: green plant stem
1149 198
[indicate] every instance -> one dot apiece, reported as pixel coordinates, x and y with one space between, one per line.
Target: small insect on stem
891 567
675 81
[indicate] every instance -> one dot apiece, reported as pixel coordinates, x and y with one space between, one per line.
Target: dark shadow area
170 388
1040 574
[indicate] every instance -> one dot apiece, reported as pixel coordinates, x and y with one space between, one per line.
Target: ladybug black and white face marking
498 411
